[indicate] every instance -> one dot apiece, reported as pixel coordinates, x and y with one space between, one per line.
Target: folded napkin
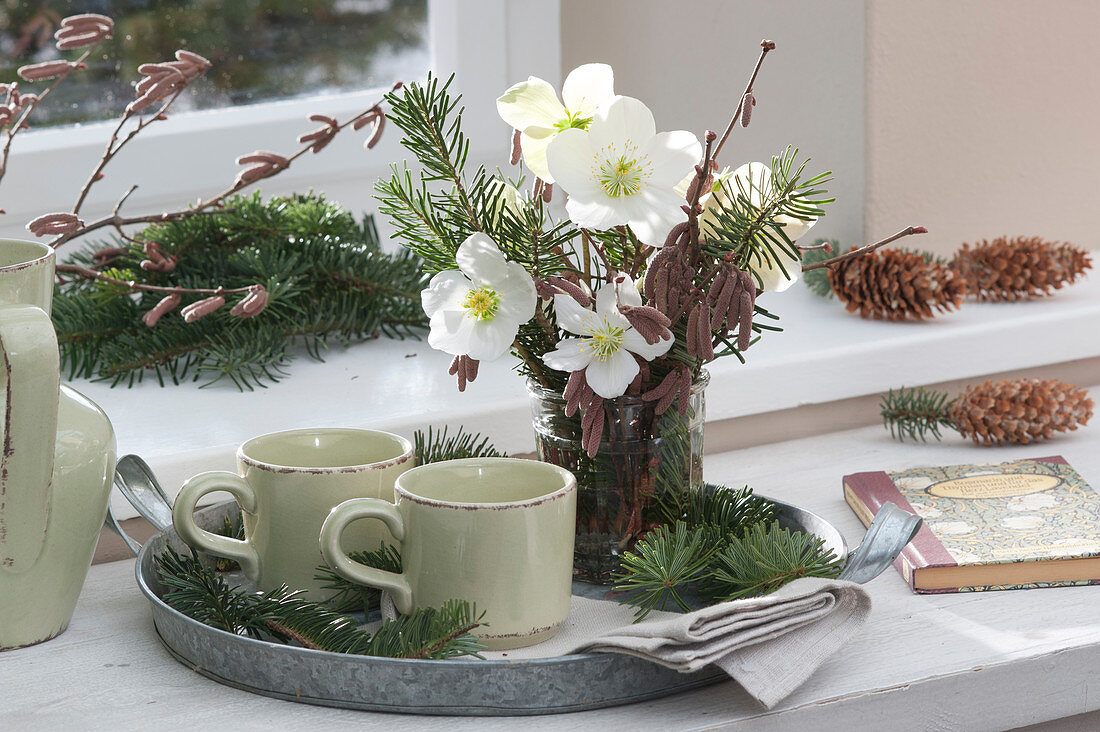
770 645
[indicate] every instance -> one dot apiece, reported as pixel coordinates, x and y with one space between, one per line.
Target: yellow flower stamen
621 174
606 340
482 303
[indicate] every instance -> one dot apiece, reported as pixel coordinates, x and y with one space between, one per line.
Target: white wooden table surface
986 661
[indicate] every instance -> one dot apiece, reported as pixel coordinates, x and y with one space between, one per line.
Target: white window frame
488 44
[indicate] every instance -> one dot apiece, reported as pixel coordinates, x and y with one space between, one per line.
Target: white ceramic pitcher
57 456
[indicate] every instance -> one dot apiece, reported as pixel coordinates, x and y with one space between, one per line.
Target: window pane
262 50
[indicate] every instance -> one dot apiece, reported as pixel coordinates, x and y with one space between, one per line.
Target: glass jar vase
643 459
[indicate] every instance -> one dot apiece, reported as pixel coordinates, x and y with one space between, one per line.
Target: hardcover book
1014 525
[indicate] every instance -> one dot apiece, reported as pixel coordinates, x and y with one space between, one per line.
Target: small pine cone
1019 268
894 284
1019 410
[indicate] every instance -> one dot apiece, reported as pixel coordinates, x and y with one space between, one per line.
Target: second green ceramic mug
496 532
288 483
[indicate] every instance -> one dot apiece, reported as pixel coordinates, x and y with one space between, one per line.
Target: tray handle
136 482
887 535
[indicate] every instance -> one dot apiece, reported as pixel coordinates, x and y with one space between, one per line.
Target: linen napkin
770 645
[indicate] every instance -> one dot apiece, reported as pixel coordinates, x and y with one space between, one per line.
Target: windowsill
824 355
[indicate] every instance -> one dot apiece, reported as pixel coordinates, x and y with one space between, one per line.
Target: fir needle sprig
915 414
664 565
723 544
281 615
765 558
437 445
1009 411
325 272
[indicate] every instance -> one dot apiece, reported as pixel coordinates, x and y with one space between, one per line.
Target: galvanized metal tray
457 687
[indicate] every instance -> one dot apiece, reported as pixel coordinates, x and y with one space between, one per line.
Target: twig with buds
864 249
251 305
262 164
87 31
163 82
744 107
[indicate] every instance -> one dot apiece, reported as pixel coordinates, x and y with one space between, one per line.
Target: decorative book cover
1014 525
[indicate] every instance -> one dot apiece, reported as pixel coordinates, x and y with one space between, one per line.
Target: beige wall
689 61
983 118
976 119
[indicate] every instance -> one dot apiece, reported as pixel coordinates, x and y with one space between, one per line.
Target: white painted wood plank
983 661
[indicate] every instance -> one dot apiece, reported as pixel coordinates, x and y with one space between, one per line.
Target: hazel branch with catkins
262 164
87 31
161 85
251 305
162 82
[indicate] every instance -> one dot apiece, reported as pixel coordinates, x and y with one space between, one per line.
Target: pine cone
1019 268
894 284
1019 410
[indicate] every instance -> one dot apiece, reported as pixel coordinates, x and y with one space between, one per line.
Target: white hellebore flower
606 342
532 107
620 171
477 310
755 179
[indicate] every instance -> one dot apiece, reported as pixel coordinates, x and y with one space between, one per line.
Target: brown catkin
893 284
1019 411
1023 267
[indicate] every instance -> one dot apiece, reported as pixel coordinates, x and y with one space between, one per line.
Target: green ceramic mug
288 483
496 532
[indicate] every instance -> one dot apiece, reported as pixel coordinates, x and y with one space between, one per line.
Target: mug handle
392 582
183 519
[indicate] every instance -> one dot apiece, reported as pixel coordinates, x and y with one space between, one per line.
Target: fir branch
325 275
916 413
663 565
233 530
724 544
433 132
428 633
437 446
754 233
352 597
724 509
198 592
764 559
310 624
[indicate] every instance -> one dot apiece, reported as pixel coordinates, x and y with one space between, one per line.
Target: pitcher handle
29 352
396 584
